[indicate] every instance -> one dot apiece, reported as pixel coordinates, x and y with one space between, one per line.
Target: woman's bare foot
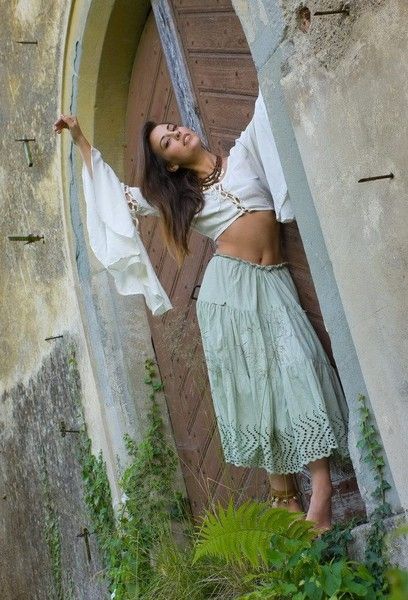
320 509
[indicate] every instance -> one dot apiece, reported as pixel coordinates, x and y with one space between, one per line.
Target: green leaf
288 588
353 587
331 578
243 534
276 558
313 592
399 584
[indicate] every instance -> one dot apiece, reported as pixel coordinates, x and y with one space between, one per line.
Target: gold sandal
278 497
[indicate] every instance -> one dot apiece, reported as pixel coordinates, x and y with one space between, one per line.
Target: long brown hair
177 195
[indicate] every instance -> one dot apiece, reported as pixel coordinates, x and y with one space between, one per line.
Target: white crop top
253 181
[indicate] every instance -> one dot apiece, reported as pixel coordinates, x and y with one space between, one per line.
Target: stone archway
101 42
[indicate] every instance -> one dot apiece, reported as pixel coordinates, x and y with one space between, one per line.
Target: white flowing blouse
253 181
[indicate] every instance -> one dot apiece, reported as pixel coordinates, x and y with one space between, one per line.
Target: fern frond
244 534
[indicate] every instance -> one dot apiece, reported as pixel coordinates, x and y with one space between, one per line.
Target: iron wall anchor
365 179
63 429
345 10
28 239
27 150
85 533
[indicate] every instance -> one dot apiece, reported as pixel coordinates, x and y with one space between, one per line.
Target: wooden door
226 87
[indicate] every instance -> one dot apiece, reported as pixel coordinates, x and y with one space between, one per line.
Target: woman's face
177 145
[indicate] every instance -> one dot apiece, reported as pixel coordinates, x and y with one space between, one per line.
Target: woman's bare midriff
254 237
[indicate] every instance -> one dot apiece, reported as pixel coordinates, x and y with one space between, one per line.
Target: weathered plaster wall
42 507
336 97
37 300
346 90
34 278
57 288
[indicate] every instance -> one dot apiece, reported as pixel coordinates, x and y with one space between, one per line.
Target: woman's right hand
69 122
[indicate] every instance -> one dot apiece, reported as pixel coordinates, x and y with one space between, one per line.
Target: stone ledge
397 546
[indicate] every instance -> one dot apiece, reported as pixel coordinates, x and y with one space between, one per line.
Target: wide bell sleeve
114 238
259 141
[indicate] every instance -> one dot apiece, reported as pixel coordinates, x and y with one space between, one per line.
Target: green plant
176 577
149 505
97 496
310 580
245 533
97 493
52 534
281 541
372 454
398 580
336 540
150 500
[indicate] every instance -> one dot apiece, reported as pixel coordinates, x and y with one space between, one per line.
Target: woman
278 402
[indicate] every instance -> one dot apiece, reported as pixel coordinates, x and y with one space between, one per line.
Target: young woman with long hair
277 399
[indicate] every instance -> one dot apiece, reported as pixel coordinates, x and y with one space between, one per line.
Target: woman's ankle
292 505
323 491
320 510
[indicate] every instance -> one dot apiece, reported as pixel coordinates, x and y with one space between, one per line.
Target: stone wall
57 288
42 509
346 91
335 92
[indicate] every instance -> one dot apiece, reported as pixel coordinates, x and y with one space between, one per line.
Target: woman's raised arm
136 203
259 141
113 236
70 122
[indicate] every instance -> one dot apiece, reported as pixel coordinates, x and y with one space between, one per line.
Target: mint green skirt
277 399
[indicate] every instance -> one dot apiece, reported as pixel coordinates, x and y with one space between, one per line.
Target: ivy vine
52 534
372 454
149 501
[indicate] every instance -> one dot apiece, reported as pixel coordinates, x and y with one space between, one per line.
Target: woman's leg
284 485
320 503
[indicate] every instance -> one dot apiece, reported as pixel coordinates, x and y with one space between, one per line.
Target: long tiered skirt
277 399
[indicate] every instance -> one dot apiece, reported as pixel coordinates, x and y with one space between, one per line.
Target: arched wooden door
225 83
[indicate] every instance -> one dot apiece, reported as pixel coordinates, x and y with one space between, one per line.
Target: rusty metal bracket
193 296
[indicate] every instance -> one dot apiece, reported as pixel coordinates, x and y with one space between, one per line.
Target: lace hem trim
311 437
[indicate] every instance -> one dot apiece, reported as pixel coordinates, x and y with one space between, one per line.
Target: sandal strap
283 496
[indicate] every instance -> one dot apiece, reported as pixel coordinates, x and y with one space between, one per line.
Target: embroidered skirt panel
277 399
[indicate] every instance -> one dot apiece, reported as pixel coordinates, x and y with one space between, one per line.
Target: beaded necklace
214 176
